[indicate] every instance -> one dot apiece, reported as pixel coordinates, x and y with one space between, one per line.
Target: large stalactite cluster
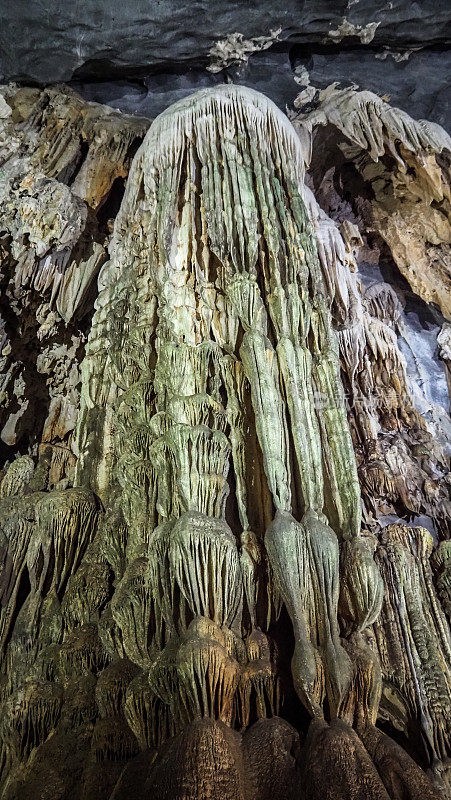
202 601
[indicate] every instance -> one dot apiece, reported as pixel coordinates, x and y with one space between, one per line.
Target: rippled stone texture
201 615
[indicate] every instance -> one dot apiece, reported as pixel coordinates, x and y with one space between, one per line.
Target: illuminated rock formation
206 578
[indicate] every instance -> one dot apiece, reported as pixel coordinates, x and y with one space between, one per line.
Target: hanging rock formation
191 605
63 163
383 170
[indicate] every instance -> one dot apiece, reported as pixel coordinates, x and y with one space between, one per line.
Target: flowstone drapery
222 350
208 576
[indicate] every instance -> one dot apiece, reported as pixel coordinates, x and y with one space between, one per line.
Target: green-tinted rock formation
201 615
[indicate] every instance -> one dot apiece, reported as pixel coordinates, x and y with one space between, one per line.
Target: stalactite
112 685
17 477
207 571
65 526
29 716
441 561
149 717
243 326
413 637
82 652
